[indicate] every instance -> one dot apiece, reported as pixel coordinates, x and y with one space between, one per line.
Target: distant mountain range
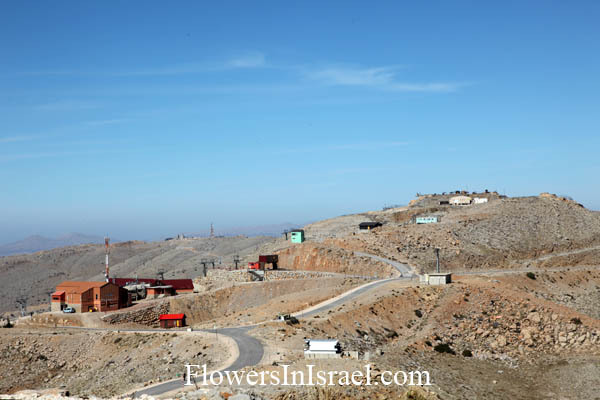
35 243
261 230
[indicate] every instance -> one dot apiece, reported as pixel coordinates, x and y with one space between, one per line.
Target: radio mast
107 250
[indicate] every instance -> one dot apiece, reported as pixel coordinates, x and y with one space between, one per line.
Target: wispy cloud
67 105
251 59
366 145
378 77
165 70
107 122
13 139
361 146
51 154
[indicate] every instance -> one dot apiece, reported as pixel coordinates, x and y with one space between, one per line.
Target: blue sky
144 119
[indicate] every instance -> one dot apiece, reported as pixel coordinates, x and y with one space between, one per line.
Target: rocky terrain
503 233
37 243
36 275
520 319
99 363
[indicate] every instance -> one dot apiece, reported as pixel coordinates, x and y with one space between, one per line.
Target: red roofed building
89 296
180 285
172 320
158 287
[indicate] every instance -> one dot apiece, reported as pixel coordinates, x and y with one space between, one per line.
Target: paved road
251 350
404 269
344 299
250 353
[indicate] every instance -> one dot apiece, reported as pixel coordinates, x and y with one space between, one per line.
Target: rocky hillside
36 275
48 359
38 243
503 233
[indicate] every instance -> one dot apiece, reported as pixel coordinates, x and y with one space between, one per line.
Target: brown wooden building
89 296
172 320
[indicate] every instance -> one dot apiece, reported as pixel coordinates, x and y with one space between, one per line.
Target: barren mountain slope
36 275
503 233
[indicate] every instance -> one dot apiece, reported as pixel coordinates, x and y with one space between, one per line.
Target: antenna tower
106 251
212 230
161 275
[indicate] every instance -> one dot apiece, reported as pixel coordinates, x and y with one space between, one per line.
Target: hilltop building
297 236
89 296
460 201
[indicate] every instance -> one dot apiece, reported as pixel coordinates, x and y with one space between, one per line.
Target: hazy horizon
146 119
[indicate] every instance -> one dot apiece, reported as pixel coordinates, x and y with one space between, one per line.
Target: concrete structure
272 259
153 292
297 236
427 220
322 348
368 225
89 296
460 200
480 200
178 286
171 320
436 278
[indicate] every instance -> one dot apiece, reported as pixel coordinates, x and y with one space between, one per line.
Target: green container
297 236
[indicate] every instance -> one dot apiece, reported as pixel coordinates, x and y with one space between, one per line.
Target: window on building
96 296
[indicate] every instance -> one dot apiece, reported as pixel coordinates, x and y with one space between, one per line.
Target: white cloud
67 105
367 145
251 59
354 76
360 146
51 154
379 77
13 139
107 122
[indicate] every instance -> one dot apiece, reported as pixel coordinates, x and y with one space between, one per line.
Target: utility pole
22 303
437 260
236 260
106 251
212 230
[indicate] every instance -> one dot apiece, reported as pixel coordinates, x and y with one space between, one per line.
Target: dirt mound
323 257
259 301
95 363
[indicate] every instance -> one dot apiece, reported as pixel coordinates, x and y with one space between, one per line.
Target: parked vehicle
68 310
253 265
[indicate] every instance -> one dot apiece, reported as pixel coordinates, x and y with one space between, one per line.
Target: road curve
251 350
404 269
250 353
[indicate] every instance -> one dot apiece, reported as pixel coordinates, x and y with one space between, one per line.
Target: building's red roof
171 316
125 281
179 284
59 293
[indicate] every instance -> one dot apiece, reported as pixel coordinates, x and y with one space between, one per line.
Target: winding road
251 350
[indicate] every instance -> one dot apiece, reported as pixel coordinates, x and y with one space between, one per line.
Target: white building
322 348
480 200
436 278
460 201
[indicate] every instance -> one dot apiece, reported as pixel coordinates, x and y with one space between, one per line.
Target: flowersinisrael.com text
308 377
